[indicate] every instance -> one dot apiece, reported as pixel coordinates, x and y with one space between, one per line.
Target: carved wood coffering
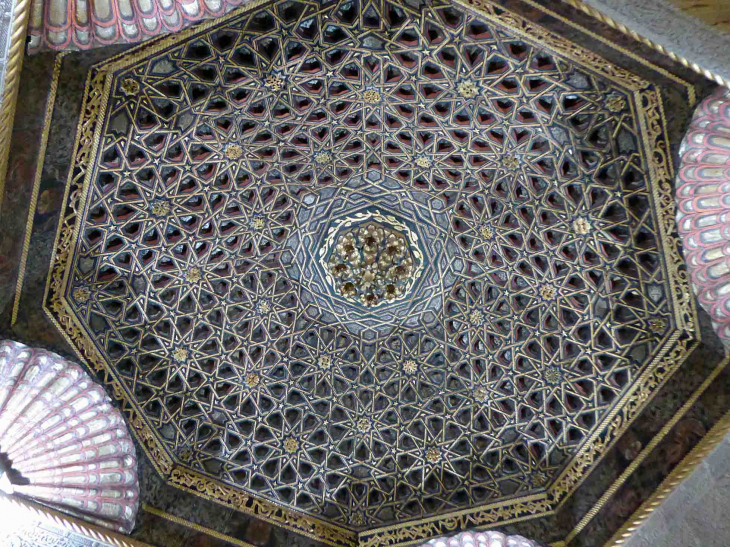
62 443
515 179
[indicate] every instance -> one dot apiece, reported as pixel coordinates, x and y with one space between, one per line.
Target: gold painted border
13 67
36 182
197 527
211 489
596 14
66 522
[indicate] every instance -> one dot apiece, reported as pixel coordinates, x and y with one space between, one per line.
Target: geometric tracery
225 161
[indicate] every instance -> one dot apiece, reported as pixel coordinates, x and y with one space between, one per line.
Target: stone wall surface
712 12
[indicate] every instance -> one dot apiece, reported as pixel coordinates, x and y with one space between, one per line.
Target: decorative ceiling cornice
613 23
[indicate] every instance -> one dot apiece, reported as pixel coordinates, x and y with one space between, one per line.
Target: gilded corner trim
596 14
678 474
36 183
645 452
197 527
13 67
691 91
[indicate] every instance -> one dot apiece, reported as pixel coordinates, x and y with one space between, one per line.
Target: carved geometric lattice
224 161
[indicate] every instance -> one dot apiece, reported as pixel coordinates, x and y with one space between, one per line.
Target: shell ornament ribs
703 207
77 24
481 539
61 441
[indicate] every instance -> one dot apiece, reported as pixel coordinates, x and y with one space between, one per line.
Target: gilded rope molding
36 183
643 455
593 12
14 65
65 522
197 527
682 471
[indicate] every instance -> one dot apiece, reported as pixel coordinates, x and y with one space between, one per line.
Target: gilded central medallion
371 259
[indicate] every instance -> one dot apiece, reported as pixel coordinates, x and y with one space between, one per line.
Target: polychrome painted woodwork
215 262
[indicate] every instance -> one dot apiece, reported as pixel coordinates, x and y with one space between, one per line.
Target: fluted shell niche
61 441
481 539
703 207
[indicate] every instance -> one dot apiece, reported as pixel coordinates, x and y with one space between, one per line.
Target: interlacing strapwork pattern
518 174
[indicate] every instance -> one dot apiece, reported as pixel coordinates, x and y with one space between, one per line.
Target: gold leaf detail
371 96
252 379
193 275
291 445
615 103
130 87
234 151
467 89
160 208
433 455
581 226
82 295
323 157
274 82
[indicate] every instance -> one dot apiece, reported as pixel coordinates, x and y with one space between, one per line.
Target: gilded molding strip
680 472
593 12
290 519
644 454
691 91
37 182
14 65
197 527
65 522
401 535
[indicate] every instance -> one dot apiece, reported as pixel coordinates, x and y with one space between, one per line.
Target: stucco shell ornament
703 207
61 442
481 539
77 24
